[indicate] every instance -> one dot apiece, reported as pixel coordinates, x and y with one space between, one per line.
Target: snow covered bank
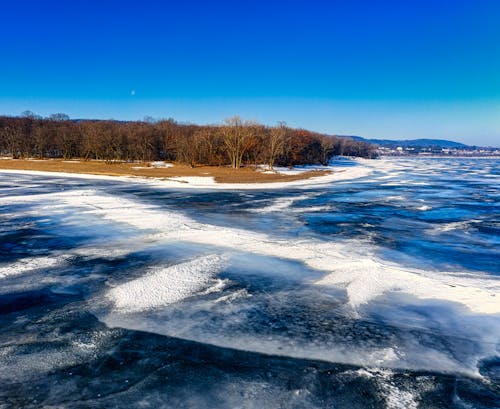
208 182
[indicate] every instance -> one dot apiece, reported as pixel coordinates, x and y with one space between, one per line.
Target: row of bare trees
235 142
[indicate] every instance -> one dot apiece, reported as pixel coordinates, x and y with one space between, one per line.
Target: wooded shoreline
235 143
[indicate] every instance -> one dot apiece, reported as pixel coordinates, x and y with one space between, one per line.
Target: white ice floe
29 264
463 225
280 204
163 286
104 252
123 210
366 279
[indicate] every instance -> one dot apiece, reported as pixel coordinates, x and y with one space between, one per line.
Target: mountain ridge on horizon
419 142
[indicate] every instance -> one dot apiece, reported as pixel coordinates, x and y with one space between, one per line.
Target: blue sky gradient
395 69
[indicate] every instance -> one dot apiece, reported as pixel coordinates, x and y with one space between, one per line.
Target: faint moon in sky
132 92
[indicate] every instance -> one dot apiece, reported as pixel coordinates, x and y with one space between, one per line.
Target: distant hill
421 143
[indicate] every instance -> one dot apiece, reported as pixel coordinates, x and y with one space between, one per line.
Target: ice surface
280 204
367 279
351 265
29 264
228 279
348 264
163 286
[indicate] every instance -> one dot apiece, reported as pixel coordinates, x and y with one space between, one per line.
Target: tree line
235 142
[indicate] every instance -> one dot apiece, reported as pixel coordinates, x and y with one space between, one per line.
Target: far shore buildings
437 151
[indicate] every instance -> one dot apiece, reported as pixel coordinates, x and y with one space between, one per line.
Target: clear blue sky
395 69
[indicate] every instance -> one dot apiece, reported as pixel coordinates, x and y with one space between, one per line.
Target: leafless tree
11 135
238 138
277 136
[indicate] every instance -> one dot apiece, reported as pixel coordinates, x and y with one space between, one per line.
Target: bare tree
59 117
277 137
169 134
144 140
109 142
327 148
41 141
211 147
189 148
238 138
66 140
30 115
12 135
90 140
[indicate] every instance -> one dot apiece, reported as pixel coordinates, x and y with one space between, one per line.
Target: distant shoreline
438 157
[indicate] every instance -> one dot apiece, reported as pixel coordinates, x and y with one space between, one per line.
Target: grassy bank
93 167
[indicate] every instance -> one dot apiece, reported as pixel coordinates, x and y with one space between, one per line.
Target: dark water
376 292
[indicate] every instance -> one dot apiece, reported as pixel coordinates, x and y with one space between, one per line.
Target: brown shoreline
221 174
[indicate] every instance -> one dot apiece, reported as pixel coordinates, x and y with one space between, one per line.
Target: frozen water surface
379 288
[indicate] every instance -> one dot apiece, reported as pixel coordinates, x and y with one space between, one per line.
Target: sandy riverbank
146 170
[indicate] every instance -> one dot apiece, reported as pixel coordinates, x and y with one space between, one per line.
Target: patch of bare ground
221 174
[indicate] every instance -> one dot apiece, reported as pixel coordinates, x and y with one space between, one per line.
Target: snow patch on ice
395 397
123 210
163 286
462 225
367 279
280 204
29 264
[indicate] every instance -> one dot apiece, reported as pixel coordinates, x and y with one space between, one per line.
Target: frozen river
380 290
